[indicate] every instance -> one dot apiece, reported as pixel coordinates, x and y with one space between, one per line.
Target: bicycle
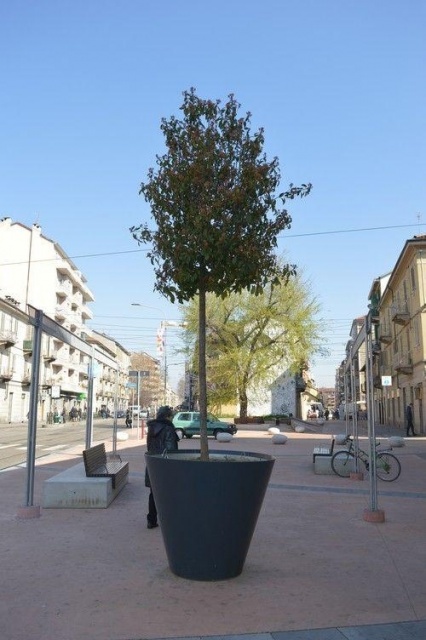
388 467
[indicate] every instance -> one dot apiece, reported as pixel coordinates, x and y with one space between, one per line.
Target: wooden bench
97 465
323 450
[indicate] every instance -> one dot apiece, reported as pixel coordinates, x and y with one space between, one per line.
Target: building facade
401 332
36 272
396 322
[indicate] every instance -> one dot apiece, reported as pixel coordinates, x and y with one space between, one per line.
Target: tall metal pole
371 418
374 514
114 430
90 395
32 422
346 396
138 404
354 413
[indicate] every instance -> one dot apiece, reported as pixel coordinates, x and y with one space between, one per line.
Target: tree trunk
243 404
202 380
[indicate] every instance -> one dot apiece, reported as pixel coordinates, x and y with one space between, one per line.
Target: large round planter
208 510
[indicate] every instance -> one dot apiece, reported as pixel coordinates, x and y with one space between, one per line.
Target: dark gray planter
208 510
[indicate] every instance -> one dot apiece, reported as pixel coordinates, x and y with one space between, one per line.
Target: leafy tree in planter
251 340
213 199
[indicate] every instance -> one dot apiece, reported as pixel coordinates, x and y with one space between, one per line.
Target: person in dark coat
161 437
410 420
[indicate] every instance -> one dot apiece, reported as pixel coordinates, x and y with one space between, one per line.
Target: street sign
131 385
56 391
386 381
93 369
142 374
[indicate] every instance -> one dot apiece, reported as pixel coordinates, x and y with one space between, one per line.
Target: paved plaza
316 570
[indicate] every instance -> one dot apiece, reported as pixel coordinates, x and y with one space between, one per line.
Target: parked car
135 409
120 413
187 423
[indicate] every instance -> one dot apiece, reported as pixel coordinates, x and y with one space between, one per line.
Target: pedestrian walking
409 415
161 437
128 419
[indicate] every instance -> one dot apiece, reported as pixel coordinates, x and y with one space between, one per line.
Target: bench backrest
94 458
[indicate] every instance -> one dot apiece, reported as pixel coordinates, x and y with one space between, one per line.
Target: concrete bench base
322 466
71 489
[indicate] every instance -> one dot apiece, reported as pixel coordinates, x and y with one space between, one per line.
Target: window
405 293
413 279
416 327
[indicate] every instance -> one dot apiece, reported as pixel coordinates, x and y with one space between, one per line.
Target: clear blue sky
338 85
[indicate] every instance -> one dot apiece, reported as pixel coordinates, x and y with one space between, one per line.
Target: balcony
60 312
64 268
75 319
47 382
27 347
385 334
63 288
86 313
7 338
400 314
70 384
26 379
404 365
6 374
50 357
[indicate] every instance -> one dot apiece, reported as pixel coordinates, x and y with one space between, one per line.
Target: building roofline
409 244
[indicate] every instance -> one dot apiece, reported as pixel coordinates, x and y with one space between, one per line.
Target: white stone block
71 489
300 428
396 441
122 435
224 437
322 466
273 430
279 438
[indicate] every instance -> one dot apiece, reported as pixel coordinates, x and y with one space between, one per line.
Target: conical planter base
208 510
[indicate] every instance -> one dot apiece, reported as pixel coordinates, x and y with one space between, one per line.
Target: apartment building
15 371
35 271
110 385
397 306
401 331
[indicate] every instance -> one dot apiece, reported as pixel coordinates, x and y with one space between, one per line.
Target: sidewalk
315 570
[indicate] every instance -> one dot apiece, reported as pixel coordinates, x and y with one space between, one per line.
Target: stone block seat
73 489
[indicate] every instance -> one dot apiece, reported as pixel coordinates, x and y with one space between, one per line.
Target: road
50 438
